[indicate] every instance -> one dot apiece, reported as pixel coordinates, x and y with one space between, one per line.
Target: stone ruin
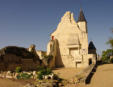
13 56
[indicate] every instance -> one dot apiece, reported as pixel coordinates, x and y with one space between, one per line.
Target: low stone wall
13 75
85 75
33 75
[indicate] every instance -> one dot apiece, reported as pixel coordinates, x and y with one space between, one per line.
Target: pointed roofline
91 45
81 16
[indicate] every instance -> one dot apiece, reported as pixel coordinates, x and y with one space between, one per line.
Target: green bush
48 71
25 76
40 75
106 56
43 71
18 69
18 77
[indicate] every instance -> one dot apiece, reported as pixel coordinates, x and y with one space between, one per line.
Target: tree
108 53
106 56
111 41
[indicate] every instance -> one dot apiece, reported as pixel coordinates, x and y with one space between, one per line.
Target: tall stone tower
82 23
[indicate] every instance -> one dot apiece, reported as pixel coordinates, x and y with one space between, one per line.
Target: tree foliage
106 56
110 41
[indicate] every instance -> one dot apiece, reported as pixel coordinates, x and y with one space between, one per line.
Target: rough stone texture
41 54
12 56
72 43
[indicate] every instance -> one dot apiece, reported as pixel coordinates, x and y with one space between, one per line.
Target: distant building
69 43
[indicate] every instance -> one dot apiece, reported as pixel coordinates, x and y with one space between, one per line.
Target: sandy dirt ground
102 78
9 83
13 83
66 73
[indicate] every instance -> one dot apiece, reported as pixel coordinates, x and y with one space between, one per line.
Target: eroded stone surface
70 43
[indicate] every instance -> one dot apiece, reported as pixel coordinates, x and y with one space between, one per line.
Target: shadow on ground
88 80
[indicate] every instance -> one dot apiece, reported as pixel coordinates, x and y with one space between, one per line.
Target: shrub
48 71
40 75
43 71
18 77
25 76
18 69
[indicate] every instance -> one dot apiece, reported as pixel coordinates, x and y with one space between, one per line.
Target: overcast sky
25 22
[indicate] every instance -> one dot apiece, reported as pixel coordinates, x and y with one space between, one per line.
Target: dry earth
13 83
66 73
103 77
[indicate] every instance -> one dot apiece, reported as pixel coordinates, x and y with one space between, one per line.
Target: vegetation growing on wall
48 57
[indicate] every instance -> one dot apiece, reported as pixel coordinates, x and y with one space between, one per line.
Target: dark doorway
90 61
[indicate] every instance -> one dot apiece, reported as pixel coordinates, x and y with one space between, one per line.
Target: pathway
67 73
103 77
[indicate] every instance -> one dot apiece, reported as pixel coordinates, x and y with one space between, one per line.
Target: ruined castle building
72 42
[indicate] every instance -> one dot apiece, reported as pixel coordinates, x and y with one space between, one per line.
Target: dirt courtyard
14 83
66 73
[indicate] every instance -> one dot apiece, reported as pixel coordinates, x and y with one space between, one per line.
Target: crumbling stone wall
11 57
